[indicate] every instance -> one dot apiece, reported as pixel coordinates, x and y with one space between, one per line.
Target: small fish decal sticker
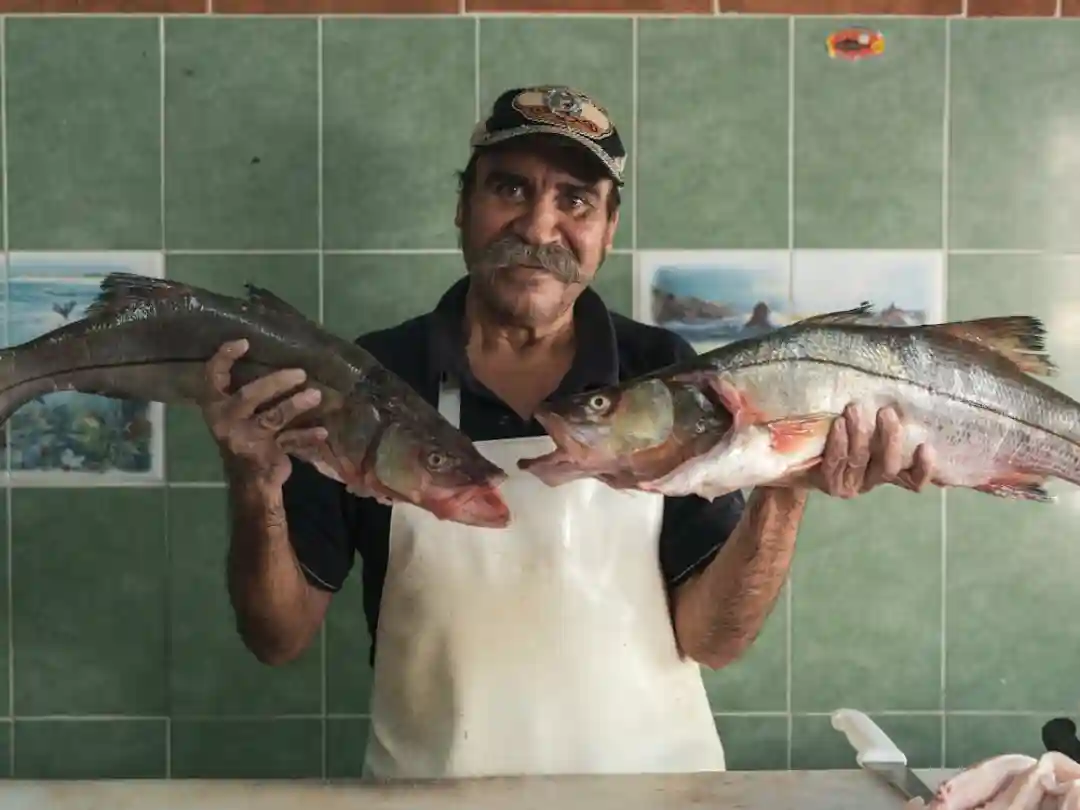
855 43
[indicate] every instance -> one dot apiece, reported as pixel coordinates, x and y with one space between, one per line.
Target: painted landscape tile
905 287
70 438
712 298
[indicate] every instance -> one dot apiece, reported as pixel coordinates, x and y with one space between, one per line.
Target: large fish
149 339
962 388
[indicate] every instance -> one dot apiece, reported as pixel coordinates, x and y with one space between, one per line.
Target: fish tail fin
1021 339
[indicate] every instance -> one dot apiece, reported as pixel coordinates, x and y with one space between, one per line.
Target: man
571 641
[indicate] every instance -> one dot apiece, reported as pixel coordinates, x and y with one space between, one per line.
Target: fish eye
598 402
436 460
699 426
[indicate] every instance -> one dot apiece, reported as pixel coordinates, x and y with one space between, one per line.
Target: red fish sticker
855 43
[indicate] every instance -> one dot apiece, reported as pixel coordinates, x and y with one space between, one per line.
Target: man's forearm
720 612
277 611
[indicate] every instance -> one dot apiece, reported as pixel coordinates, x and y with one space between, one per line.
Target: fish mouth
567 442
480 506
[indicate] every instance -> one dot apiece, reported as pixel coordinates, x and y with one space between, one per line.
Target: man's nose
538 223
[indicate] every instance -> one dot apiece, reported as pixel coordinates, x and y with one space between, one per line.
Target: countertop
733 790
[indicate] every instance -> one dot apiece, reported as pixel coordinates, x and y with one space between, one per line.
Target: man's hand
861 454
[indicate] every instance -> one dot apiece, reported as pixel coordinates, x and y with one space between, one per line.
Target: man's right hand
256 440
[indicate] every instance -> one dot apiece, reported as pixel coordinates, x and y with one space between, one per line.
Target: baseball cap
554 110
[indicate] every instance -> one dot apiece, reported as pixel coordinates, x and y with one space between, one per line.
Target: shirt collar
596 360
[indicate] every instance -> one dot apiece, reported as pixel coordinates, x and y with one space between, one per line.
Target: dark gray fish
149 339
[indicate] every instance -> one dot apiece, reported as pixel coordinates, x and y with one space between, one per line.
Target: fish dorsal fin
841 316
263 296
121 291
1018 338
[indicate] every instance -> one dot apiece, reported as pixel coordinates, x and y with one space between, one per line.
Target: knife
875 752
1059 735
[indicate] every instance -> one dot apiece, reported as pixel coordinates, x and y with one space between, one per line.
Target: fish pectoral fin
787 435
261 295
1020 489
855 315
1018 338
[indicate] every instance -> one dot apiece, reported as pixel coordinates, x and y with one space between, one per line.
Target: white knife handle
871 744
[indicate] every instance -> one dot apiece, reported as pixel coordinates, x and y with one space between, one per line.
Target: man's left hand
861 454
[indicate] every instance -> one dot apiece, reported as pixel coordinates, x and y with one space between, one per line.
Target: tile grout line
167 590
1069 254
944 523
286 718
477 104
7 426
789 599
320 215
510 15
635 103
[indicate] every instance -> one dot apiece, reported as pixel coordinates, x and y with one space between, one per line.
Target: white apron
543 648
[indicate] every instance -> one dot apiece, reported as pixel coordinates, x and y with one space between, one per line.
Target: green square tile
211 671
84 133
713 133
816 745
5 749
754 742
5 619
346 742
190 452
363 293
594 56
1013 103
89 600
392 145
866 603
756 682
247 749
614 282
869 138
994 544
241 133
970 738
348 648
91 749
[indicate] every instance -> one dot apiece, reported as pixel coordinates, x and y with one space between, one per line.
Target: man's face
535 229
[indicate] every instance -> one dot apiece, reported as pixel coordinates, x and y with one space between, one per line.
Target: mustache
511 250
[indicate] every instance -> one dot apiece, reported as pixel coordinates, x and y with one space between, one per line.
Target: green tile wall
317 157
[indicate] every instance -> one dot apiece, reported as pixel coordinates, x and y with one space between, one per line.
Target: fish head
627 433
612 421
432 465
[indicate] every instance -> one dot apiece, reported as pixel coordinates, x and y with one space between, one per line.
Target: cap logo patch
562 107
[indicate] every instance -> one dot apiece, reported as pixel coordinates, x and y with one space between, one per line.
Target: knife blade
875 752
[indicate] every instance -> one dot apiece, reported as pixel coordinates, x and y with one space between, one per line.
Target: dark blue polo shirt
328 525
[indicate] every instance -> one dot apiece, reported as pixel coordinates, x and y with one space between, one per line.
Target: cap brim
487 139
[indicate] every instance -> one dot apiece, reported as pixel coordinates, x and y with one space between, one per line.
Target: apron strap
450 400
